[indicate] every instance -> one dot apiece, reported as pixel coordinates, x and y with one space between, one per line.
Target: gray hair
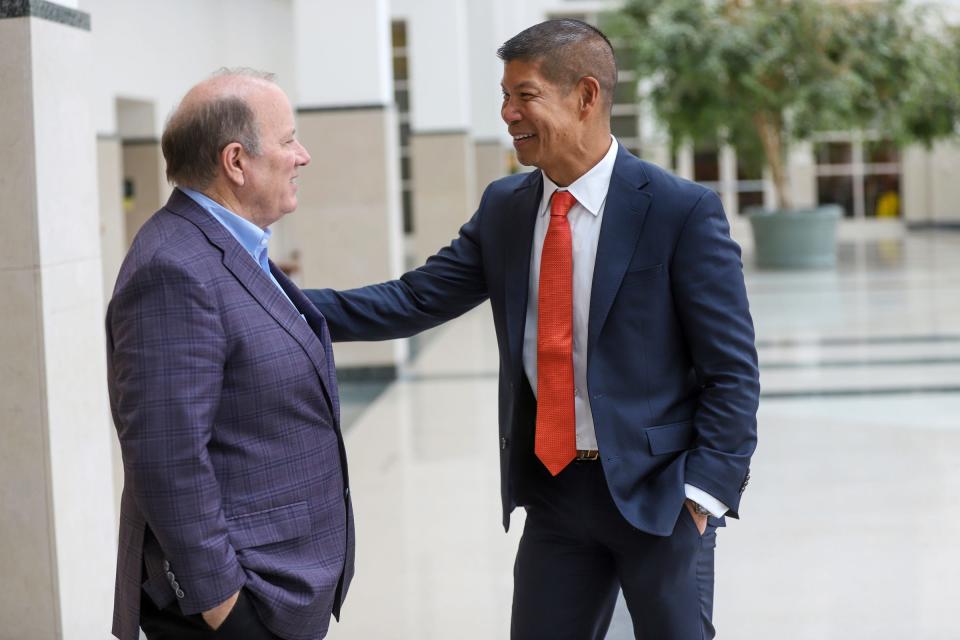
198 131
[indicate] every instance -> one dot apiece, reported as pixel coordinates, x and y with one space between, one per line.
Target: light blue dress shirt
250 236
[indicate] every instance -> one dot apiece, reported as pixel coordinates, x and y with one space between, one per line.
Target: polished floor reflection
850 525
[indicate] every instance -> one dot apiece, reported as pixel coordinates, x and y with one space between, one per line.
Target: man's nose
509 113
304 156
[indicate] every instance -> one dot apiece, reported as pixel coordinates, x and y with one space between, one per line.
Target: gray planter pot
795 239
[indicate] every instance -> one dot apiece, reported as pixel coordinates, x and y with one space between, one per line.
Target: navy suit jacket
671 363
225 402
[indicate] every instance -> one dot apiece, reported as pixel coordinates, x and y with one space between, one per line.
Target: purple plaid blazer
225 403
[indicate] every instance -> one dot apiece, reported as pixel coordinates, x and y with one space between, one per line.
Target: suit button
504 443
180 593
166 565
170 577
346 492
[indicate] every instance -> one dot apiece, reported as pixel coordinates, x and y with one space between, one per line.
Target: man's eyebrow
523 85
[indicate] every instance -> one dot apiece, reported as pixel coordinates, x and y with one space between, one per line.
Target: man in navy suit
628 373
235 520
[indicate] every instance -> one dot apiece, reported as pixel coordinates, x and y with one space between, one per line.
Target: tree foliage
760 73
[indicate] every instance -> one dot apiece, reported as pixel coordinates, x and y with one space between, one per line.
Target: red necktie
556 438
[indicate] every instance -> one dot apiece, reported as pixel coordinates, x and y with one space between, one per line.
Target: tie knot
561 203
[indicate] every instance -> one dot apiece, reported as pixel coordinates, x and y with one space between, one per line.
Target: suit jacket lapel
522 219
257 283
623 216
310 334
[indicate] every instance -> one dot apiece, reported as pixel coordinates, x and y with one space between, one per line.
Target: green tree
760 73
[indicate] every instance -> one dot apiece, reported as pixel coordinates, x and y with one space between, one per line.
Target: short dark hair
194 137
567 50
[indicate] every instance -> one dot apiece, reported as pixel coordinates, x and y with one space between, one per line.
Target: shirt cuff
716 508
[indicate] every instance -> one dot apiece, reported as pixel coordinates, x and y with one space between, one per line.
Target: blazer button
346 492
180 593
172 578
504 443
166 565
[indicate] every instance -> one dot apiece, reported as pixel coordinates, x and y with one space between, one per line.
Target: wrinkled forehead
523 73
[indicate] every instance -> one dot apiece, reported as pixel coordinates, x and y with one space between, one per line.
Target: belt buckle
588 454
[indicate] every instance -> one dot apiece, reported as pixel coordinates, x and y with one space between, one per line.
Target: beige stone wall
444 188
491 163
346 231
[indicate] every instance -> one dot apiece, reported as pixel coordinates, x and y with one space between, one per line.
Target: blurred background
827 128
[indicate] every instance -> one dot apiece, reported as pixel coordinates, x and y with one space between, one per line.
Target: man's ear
588 88
232 159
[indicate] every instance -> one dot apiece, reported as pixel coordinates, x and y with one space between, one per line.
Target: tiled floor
851 524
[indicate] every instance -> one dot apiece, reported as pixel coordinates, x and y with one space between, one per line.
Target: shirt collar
250 236
591 188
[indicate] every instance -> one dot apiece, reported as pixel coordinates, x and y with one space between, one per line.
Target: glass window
706 165
402 98
882 196
624 126
399 68
407 211
880 152
749 199
834 152
836 190
625 92
398 33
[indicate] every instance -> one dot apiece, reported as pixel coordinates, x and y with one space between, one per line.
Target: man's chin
526 160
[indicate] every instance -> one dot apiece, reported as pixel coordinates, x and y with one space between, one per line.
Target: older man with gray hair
236 519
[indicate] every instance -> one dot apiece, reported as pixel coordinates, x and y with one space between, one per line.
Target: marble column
57 536
347 229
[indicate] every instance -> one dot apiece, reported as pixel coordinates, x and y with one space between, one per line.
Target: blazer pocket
668 438
642 273
270 525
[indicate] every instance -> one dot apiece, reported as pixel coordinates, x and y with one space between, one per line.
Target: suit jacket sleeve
168 357
711 301
449 284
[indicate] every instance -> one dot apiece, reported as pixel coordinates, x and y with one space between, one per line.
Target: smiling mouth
521 138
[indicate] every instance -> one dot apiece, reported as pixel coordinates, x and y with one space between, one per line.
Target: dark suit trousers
577 552
243 623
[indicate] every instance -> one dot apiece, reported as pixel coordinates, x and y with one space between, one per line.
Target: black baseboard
385 373
933 226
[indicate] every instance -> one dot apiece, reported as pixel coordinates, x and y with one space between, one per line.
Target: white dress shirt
585 217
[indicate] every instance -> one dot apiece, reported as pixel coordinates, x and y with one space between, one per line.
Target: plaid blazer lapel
258 284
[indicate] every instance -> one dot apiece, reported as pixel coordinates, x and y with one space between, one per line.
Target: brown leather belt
587 454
